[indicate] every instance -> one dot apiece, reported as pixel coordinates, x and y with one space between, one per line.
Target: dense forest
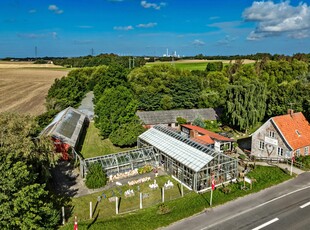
248 93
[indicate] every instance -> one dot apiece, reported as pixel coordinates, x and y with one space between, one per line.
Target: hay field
23 88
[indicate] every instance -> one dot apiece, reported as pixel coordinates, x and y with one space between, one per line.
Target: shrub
95 177
145 169
163 209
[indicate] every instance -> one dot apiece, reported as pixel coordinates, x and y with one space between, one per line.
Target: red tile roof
208 136
295 129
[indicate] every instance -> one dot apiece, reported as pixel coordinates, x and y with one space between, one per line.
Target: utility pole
131 62
35 51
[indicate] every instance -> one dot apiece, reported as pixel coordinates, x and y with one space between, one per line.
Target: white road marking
305 205
251 209
266 224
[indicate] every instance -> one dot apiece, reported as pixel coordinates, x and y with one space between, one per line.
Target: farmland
24 86
195 64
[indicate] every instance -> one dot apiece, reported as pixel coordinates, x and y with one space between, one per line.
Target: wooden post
141 197
116 205
90 210
63 215
163 194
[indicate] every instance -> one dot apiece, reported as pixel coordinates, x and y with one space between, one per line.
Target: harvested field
23 90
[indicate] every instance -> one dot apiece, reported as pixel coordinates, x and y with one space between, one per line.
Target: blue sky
135 27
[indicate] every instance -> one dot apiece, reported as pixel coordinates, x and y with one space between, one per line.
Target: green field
94 145
183 65
149 218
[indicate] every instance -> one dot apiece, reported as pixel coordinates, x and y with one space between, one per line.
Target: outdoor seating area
129 193
154 185
168 185
139 181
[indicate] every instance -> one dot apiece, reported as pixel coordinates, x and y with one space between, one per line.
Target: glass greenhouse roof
191 154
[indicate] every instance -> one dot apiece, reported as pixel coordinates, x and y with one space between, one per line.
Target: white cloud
155 6
32 11
214 17
125 28
278 18
226 41
148 25
198 42
85 27
55 9
52 35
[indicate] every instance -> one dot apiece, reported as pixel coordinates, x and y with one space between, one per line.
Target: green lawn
149 218
94 145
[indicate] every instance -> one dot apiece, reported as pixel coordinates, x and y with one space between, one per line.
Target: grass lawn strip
94 145
189 205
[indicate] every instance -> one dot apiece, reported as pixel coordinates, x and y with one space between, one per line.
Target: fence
278 160
128 198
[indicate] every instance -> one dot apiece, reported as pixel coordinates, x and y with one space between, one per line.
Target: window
306 151
271 134
261 145
298 152
280 152
298 133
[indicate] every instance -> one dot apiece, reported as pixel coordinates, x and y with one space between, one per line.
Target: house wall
302 151
270 143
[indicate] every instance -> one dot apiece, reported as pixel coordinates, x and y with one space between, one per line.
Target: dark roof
66 126
170 116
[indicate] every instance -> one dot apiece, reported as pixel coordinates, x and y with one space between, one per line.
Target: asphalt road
278 207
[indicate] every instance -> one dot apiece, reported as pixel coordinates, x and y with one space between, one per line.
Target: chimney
290 112
193 133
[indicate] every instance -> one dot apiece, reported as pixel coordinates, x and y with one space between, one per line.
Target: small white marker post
116 205
141 197
163 194
90 210
63 215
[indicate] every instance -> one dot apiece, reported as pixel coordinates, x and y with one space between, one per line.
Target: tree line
248 93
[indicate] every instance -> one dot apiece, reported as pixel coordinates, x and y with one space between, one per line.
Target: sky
67 28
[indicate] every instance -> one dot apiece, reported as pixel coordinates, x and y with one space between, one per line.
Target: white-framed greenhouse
123 161
189 162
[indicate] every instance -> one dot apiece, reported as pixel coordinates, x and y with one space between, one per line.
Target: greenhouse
123 161
189 162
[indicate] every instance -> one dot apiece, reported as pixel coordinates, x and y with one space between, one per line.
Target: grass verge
94 145
189 205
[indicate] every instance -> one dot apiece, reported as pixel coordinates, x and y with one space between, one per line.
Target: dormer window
298 133
271 134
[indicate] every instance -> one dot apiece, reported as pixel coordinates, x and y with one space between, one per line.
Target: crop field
24 86
195 64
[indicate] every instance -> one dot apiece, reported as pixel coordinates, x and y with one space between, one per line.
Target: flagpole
211 197
292 161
